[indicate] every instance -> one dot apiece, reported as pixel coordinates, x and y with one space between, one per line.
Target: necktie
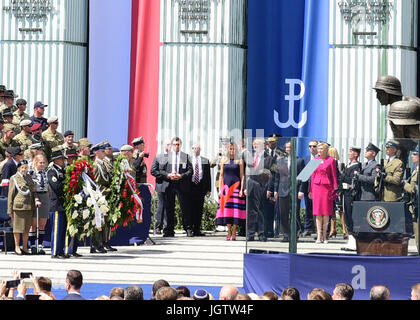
176 162
256 161
196 173
42 180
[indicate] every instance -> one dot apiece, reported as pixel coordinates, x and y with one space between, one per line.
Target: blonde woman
332 152
322 191
232 207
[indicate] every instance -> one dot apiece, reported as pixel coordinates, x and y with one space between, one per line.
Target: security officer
51 135
351 192
411 187
56 176
19 115
7 139
367 175
391 175
24 137
9 101
39 109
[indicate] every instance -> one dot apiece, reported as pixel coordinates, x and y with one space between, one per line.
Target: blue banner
306 272
288 57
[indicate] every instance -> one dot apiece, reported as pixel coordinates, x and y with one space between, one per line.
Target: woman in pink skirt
232 205
322 191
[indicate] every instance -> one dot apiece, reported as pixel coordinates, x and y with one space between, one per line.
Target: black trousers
348 206
309 217
285 206
196 206
160 222
269 209
172 191
255 207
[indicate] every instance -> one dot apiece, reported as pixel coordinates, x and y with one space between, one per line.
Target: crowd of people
162 290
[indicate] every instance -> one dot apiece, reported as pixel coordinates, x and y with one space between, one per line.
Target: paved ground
206 261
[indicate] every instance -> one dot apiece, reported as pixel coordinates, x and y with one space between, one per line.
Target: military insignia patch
54 179
377 217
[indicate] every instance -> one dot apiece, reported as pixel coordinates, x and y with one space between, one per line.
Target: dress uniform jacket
53 139
392 182
102 176
410 187
8 170
141 169
367 181
17 201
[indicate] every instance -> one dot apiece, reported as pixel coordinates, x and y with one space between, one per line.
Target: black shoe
58 256
199 234
26 253
109 248
97 250
262 238
168 235
190 233
67 256
76 255
306 233
250 239
285 239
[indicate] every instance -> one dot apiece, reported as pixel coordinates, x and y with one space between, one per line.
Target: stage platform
196 261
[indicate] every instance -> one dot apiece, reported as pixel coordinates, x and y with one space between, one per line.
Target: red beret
36 126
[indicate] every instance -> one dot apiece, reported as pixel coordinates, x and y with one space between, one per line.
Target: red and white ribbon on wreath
99 217
139 205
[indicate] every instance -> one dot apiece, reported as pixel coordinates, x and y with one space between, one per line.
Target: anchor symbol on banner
292 98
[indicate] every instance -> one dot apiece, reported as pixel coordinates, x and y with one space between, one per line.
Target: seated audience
380 292
415 292
290 292
271 295
183 292
166 293
228 293
133 293
343 291
74 282
116 292
319 294
157 285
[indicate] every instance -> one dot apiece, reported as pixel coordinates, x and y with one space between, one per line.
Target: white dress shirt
200 169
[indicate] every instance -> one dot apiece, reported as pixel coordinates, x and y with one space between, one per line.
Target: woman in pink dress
322 191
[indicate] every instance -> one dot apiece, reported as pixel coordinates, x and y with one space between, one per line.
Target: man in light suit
177 171
74 282
281 188
154 171
367 176
200 188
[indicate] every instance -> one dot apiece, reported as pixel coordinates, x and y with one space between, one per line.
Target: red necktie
256 162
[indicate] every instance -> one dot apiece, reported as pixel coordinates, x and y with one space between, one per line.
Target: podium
382 228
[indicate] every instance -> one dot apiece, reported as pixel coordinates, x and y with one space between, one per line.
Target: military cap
22 163
68 133
393 143
389 84
52 119
25 122
137 141
71 153
356 149
35 146
416 150
107 144
39 104
7 113
372 147
10 94
98 146
57 153
36 126
21 101
127 147
2 88
13 151
9 127
84 142
273 137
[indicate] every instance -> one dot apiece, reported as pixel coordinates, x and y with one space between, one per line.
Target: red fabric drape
144 78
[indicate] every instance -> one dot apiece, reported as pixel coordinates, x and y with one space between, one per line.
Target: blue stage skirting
263 272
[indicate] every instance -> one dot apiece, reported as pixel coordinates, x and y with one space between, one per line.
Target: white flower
89 202
75 214
86 214
85 190
72 230
76 205
86 227
102 200
78 198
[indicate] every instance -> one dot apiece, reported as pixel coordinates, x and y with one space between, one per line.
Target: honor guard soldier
9 101
411 187
19 115
390 177
39 109
367 175
109 157
7 139
128 152
71 245
56 177
2 90
138 160
273 149
351 191
103 178
24 137
51 135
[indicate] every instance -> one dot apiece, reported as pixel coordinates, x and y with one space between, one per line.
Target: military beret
9 127
13 151
84 142
71 153
7 113
2 88
137 141
36 126
25 122
39 104
52 119
126 147
372 147
356 149
68 133
10 94
393 143
21 101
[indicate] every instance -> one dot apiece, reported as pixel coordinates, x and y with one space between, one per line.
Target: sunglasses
312 146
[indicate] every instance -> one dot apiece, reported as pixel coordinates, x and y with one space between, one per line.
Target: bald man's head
228 293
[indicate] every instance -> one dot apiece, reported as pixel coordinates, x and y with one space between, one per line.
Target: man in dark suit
10 168
281 188
200 188
258 175
177 170
161 222
309 225
74 282
367 175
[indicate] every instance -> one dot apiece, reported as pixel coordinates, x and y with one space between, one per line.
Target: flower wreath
125 202
85 205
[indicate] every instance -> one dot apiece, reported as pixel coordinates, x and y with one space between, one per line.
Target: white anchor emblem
292 98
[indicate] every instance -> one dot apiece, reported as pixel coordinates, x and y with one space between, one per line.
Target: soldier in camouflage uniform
19 115
2 90
84 147
24 137
69 142
9 101
8 118
7 140
51 135
109 157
